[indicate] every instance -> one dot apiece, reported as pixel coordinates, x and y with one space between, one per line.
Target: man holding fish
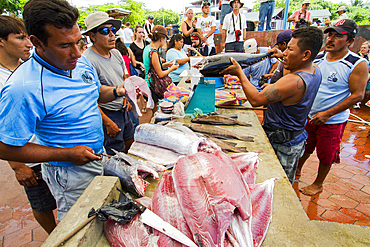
54 95
289 100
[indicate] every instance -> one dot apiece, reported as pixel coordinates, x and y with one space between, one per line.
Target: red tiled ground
346 195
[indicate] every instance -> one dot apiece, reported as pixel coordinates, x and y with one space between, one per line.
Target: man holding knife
54 95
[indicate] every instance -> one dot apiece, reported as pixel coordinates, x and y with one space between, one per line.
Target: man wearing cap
344 77
234 29
281 44
342 15
267 8
257 70
148 26
111 69
289 100
206 26
54 95
302 17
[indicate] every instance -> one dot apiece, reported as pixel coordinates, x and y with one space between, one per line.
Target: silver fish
213 65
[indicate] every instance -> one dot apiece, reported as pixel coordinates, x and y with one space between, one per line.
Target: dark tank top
187 39
293 117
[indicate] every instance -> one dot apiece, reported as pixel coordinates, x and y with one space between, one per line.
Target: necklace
2 65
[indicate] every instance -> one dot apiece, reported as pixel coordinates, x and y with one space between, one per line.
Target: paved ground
346 196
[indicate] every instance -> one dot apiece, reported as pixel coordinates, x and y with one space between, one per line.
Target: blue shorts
225 9
68 183
123 121
40 197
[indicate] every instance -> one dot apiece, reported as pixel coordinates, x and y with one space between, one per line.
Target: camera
302 23
238 33
262 81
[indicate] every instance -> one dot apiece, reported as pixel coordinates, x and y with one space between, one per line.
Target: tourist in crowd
302 17
137 48
148 27
206 27
257 71
111 69
234 30
225 9
188 27
343 84
159 38
128 35
197 48
61 109
289 100
364 50
342 16
175 52
265 12
15 47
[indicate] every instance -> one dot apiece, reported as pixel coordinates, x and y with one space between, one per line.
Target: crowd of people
63 104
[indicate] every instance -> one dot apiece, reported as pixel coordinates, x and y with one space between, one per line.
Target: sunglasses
106 30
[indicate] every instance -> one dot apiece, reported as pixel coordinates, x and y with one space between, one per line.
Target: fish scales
217 132
218 120
213 65
165 205
209 188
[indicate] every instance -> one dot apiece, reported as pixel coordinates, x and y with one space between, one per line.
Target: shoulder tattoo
272 94
300 86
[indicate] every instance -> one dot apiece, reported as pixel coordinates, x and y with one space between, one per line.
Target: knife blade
151 219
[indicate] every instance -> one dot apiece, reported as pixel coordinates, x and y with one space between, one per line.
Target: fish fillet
261 196
247 164
132 234
210 188
165 205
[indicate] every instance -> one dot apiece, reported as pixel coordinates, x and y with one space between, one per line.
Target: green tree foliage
11 6
170 17
136 16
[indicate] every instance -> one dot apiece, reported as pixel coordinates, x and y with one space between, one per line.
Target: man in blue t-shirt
344 78
54 95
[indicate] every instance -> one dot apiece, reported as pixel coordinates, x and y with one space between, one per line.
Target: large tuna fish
212 193
213 65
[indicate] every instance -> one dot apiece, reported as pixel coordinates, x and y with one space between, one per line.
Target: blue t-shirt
59 107
258 69
173 54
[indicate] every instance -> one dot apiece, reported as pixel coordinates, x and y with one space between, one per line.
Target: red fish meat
165 205
210 190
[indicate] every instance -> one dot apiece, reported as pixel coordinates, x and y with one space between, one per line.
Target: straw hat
99 18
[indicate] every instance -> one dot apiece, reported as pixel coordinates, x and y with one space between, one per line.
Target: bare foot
311 190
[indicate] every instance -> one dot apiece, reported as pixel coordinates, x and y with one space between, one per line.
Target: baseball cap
150 17
344 27
341 8
99 18
250 46
205 3
285 35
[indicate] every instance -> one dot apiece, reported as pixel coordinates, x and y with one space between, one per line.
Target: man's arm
107 93
357 84
223 32
34 153
24 174
283 89
112 128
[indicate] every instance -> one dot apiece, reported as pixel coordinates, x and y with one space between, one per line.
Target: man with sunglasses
54 95
111 69
302 17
